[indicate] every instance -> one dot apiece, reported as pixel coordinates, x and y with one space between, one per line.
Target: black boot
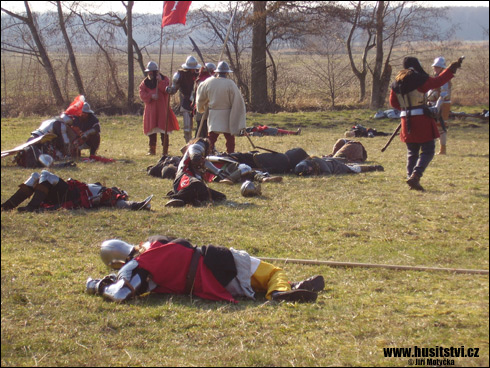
297 295
314 283
20 196
143 205
40 194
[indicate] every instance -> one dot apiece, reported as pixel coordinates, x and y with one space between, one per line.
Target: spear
165 137
373 265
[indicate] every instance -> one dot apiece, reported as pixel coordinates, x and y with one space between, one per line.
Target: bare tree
129 22
112 65
238 42
38 49
259 98
327 68
69 48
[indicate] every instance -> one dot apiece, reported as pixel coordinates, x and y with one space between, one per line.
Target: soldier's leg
412 157
93 141
25 191
230 143
153 144
187 117
269 278
213 137
50 189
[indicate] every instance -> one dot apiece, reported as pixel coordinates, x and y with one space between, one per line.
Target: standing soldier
444 93
202 119
155 120
226 107
418 129
183 81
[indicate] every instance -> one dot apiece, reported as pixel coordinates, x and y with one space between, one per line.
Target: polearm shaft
372 265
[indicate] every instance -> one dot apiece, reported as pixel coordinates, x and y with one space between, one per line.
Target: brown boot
298 295
314 283
414 182
442 150
20 196
152 151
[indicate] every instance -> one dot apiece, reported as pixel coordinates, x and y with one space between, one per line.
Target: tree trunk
71 54
45 61
259 98
129 16
378 67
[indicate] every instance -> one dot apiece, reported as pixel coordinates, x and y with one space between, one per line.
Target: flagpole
161 37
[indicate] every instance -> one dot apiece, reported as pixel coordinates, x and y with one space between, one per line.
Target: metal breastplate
413 99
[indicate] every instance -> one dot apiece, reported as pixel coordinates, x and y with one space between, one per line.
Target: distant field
49 320
25 88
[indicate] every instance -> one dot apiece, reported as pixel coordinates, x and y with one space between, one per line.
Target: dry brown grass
25 88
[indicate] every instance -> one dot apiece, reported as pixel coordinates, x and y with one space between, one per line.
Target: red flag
174 12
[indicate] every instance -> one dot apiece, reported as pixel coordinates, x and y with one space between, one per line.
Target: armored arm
129 283
171 90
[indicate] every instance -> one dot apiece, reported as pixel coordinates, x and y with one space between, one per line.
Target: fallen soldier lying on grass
50 192
263 130
331 166
174 266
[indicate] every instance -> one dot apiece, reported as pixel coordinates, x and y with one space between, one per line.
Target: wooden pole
372 265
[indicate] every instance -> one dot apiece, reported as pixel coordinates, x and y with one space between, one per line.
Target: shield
44 138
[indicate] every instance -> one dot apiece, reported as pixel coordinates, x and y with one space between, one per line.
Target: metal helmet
46 160
67 119
115 252
151 67
86 108
223 67
250 189
191 63
210 67
303 168
440 62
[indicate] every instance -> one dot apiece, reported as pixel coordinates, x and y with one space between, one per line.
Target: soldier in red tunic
418 126
174 266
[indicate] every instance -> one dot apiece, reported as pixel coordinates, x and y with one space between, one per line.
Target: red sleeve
394 101
145 93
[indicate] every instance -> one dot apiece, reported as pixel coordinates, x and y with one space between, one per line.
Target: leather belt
191 273
413 112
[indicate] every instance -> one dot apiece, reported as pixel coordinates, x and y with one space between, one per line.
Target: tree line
367 33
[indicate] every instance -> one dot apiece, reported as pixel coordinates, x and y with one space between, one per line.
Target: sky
156 7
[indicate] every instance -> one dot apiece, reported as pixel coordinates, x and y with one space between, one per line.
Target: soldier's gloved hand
454 66
154 96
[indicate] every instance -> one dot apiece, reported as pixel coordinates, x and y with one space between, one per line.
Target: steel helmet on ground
250 189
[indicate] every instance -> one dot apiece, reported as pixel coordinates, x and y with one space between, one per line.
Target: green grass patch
48 320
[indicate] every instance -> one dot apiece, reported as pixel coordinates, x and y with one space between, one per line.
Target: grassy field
49 320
